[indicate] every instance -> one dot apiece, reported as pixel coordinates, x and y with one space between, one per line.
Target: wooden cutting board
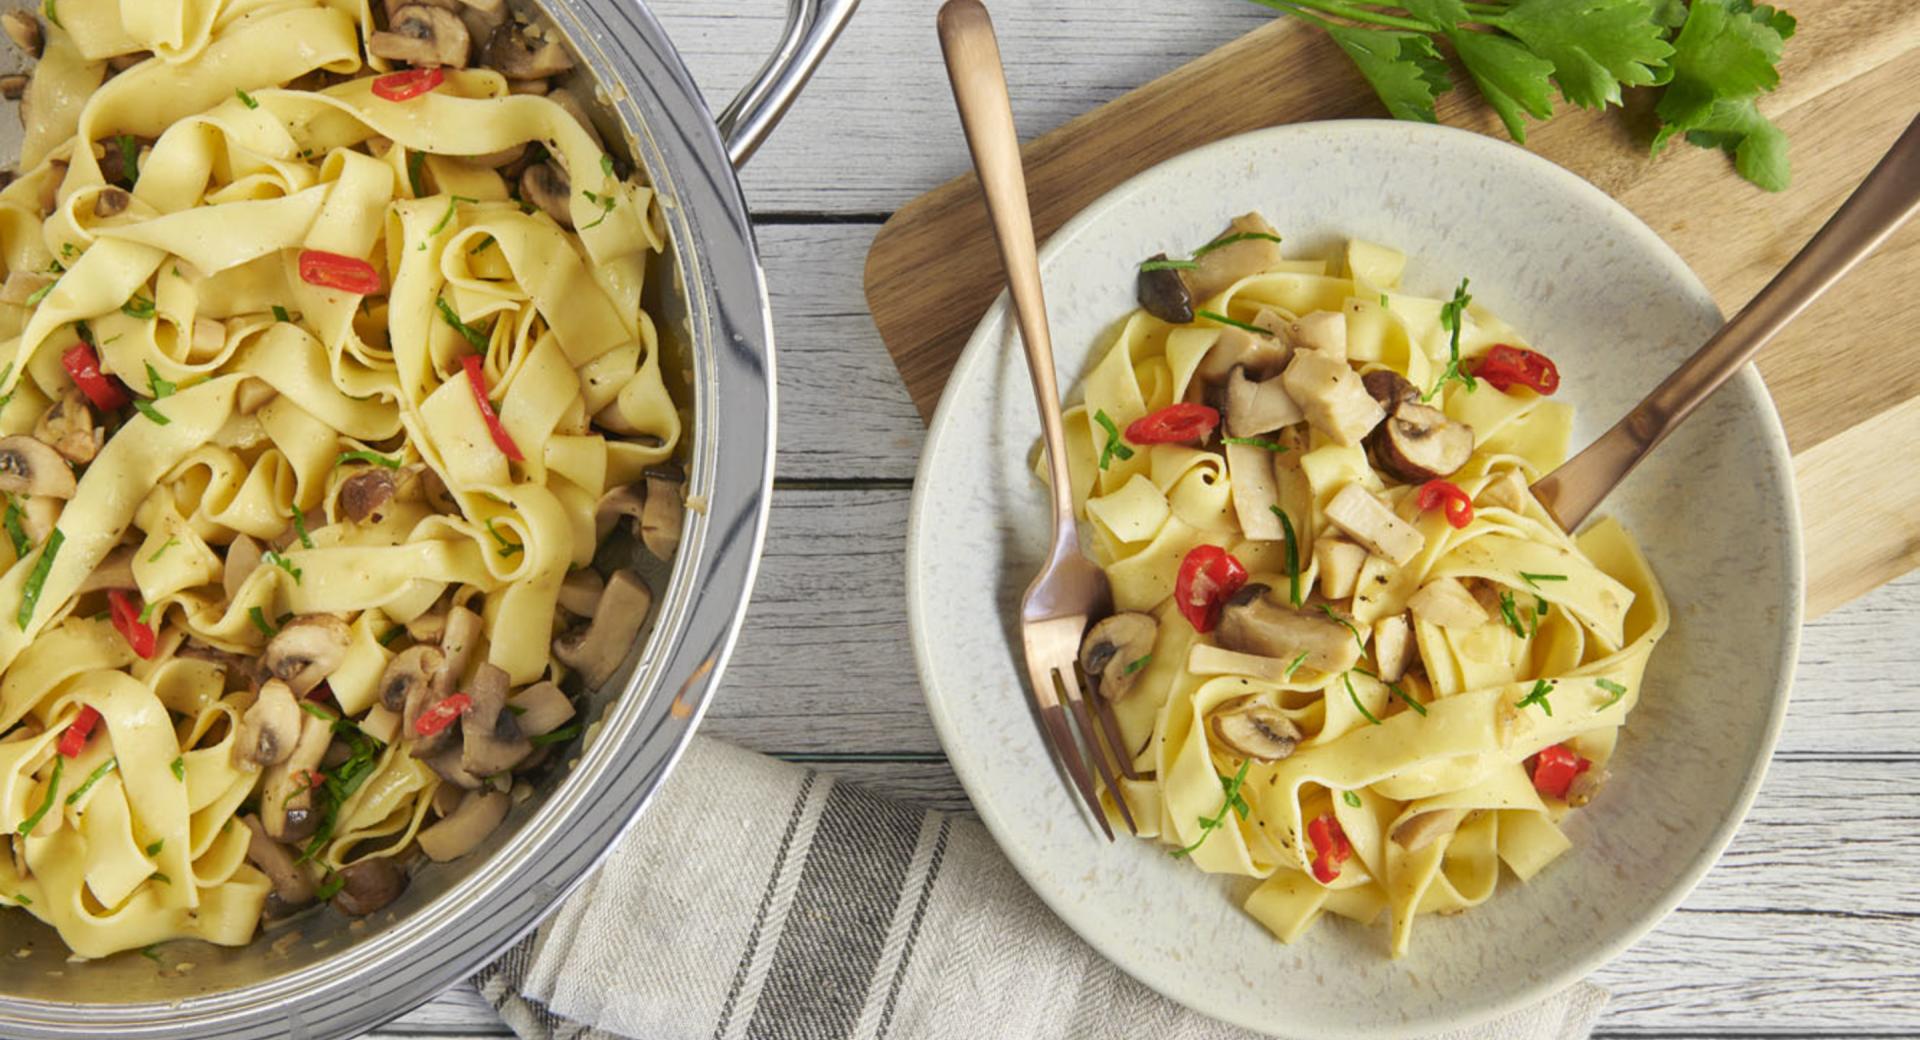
1846 376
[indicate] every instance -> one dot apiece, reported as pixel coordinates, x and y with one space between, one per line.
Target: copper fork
1070 589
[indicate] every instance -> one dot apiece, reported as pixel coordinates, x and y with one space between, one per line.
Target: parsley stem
1334 7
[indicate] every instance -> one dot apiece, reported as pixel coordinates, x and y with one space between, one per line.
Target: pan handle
812 26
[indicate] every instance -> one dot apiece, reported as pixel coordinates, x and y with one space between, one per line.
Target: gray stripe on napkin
899 973
766 900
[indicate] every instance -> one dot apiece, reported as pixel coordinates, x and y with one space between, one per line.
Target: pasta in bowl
338 449
1352 656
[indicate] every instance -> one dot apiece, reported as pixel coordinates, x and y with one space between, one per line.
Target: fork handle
980 91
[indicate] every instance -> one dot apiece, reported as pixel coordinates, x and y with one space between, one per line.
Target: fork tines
1052 647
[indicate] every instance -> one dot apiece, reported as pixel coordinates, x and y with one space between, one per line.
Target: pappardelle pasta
333 428
1353 658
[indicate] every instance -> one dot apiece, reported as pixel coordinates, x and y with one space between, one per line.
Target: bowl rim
993 326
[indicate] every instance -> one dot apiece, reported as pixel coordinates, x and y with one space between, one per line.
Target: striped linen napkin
759 900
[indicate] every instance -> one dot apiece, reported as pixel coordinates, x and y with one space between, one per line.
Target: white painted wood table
1809 927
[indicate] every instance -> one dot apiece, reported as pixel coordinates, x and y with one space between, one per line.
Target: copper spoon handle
980 90
1889 195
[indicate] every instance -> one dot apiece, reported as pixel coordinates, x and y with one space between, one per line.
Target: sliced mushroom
1222 266
13 86
1367 520
1420 830
1340 563
1258 731
243 558
1332 397
1252 623
287 807
68 426
111 202
541 708
456 835
408 675
625 500
596 650
1115 651
364 494
369 885
242 670
22 286
423 35
1255 408
663 514
114 571
1506 491
1447 603
441 748
428 627
252 395
571 106
269 729
1581 791
1162 293
1390 389
545 186
580 592
514 55
1322 331
1261 356
483 17
306 651
491 740
457 644
29 466
1417 444
24 30
1256 491
1393 647
292 888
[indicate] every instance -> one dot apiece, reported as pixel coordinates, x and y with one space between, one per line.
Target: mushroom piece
571 106
1255 408
1506 491
1324 331
68 426
491 740
1393 647
1221 266
269 729
580 592
1447 603
408 675
292 888
456 643
13 87
541 708
1417 444
515 55
423 35
1258 731
252 394
1367 520
1162 293
663 514
456 835
24 30
596 650
1262 356
306 651
29 466
243 669
243 558
286 801
1255 489
428 627
369 885
1251 623
1585 786
111 202
1332 396
625 500
1340 563
363 494
1390 389
545 186
1420 830
1115 651
114 571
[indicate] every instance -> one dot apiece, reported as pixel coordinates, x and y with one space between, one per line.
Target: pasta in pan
1353 658
323 383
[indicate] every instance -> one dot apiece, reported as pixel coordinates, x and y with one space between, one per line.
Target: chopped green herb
300 528
273 557
160 385
1239 236
6 398
259 618
606 204
16 530
318 712
162 878
280 314
484 243
245 98
137 306
606 164
53 791
146 408
1537 695
41 293
1233 803
162 551
341 782
1450 313
372 457
507 548
130 159
151 952
1511 615
1218 318
1115 447
473 335
1167 265
1612 687
1347 677
1535 579
1405 698
147 612
93 778
1293 554
416 167
1384 302
1350 798
564 733
1255 442
154 849
1136 664
392 634
1539 611
1348 625
179 767
1294 666
516 710
37 578
20 899
329 886
52 12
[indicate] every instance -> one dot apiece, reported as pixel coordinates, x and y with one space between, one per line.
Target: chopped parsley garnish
300 528
1535 579
1350 798
93 778
1294 666
130 159
606 204
147 612
37 578
53 791
1538 695
160 385
20 899
392 634
179 767
16 530
318 712
1167 265
162 878
1233 803
1348 625
473 335
562 734
52 12
373 457
1293 554
416 167
146 408
1394 688
162 551
1239 236
151 952
453 203
41 293
1384 302
1217 317
507 548
6 398
137 306
606 164
280 314
1136 664
484 243
273 557
1539 611
1450 313
154 849
1510 615
259 619
1612 687
245 98
341 782
1255 442
329 886
1347 677
1115 447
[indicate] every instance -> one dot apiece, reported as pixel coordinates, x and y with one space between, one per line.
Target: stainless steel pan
323 978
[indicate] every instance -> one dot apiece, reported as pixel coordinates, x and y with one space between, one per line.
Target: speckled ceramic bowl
1617 309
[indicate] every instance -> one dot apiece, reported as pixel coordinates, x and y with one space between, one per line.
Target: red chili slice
1554 769
1445 493
1208 576
75 738
400 86
1504 365
83 365
333 271
1173 424
126 619
441 715
501 438
1330 847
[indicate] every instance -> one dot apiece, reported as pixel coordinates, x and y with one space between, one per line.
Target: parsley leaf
474 336
1233 803
1405 69
1596 46
16 531
245 98
1724 57
1115 447
1537 695
160 385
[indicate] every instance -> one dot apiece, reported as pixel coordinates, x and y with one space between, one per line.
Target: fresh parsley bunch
1711 59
